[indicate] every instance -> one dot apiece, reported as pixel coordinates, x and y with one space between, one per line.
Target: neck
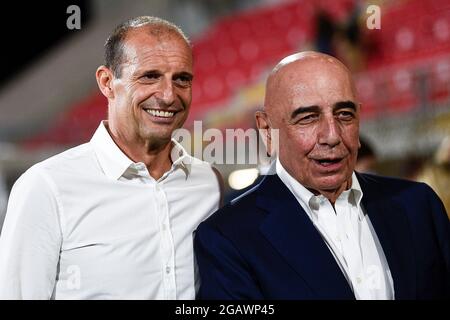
155 156
333 194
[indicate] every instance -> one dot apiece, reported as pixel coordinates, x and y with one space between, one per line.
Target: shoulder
392 186
72 160
416 198
385 180
68 157
198 166
238 216
40 185
202 172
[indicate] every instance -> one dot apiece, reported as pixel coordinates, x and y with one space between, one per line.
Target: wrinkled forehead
155 38
142 45
312 80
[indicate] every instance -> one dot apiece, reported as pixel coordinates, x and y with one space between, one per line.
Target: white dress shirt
89 223
349 235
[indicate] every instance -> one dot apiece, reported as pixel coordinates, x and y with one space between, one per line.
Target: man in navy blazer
316 229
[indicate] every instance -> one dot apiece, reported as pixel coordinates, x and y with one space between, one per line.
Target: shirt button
358 280
164 227
167 270
314 203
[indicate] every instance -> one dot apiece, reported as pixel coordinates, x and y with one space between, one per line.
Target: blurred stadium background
49 99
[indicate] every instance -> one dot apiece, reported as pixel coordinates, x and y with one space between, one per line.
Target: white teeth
159 113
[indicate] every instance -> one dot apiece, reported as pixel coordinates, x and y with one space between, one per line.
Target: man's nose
329 132
166 92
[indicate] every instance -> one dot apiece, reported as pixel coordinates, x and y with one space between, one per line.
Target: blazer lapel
293 235
392 228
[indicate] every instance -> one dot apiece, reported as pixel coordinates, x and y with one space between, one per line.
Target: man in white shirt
318 229
114 218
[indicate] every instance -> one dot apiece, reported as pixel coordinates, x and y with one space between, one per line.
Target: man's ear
263 124
359 107
104 77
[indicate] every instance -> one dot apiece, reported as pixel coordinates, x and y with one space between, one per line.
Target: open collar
291 232
114 162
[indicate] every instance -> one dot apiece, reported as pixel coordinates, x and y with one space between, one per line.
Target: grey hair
115 43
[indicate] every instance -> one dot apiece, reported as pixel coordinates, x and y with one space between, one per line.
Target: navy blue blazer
263 245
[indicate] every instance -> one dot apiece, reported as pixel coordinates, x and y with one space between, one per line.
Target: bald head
306 72
311 102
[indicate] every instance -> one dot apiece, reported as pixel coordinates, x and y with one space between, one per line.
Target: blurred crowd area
401 62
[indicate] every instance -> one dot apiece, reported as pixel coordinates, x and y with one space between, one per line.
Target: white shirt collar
179 155
114 162
308 199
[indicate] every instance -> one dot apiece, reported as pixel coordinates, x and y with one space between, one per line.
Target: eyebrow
306 109
156 71
314 108
184 74
344 105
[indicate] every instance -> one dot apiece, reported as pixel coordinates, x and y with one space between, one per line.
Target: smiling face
312 103
151 98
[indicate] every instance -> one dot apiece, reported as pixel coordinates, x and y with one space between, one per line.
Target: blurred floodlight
241 179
